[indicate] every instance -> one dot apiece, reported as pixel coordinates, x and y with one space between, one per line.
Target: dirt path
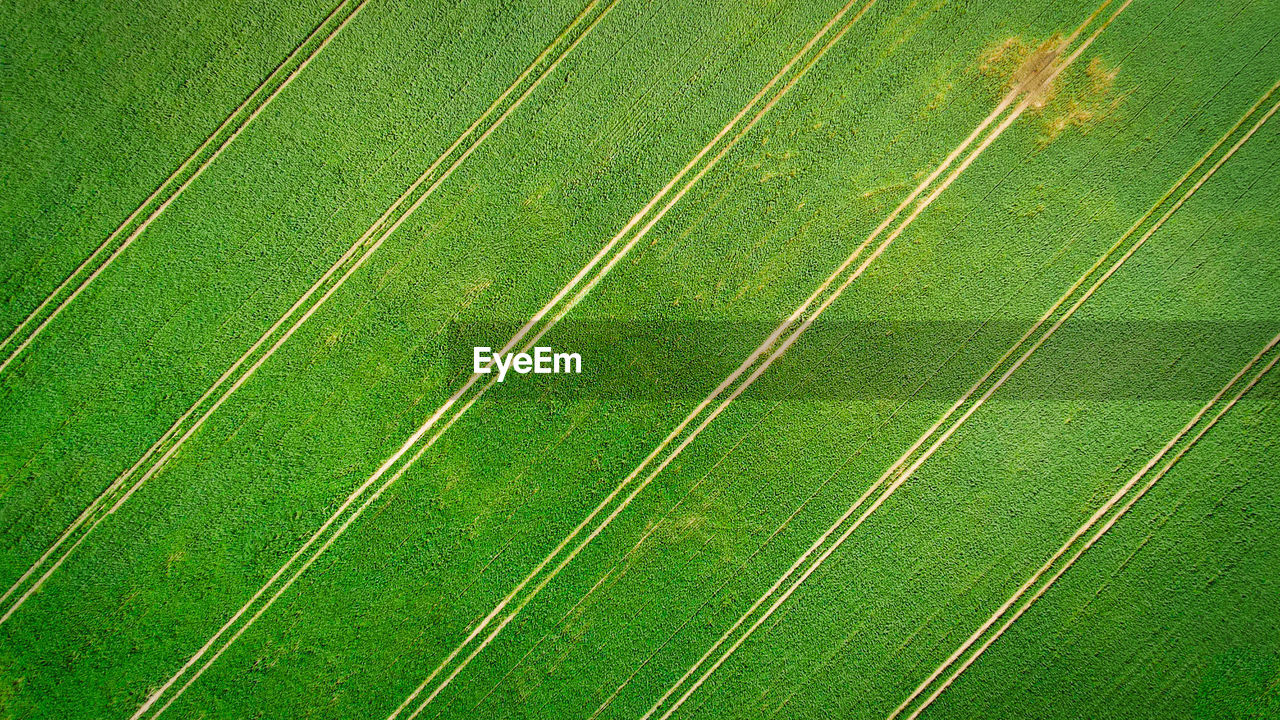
914 465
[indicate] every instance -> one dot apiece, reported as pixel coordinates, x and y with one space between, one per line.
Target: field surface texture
927 359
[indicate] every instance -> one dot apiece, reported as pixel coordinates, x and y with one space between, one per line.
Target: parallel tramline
934 277
463 399
534 575
1077 544
163 450
609 576
906 465
21 337
759 361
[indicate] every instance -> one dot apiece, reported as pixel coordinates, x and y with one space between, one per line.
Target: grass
1166 607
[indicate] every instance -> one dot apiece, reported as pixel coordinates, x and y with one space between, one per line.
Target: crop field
926 355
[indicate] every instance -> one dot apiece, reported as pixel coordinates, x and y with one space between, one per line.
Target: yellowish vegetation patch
939 98
473 291
1081 101
1088 103
1019 65
174 558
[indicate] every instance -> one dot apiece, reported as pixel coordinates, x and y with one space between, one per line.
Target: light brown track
916 464
1004 608
1043 81
177 193
103 500
417 436
565 542
765 347
1089 524
279 573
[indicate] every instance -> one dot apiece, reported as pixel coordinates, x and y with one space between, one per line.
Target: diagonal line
1088 525
178 192
279 573
1044 81
564 543
916 464
173 431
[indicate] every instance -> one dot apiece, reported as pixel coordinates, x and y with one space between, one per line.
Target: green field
925 359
